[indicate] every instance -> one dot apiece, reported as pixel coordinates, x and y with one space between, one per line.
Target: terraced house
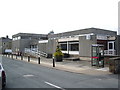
5 44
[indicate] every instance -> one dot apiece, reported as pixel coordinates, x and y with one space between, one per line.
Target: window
69 46
74 47
15 38
19 37
63 47
110 46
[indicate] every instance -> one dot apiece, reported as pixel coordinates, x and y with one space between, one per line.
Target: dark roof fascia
4 38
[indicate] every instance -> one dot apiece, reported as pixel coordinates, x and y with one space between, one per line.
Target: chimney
7 36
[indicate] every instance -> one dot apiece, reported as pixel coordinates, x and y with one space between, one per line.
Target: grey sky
42 16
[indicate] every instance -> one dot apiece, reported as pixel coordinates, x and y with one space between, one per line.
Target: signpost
118 36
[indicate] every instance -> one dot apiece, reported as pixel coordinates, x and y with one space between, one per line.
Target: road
21 74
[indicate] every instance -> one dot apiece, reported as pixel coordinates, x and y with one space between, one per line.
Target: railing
35 52
42 53
31 52
109 52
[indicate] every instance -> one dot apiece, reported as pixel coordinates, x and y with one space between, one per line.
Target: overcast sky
42 16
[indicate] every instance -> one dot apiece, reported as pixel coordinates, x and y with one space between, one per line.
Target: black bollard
103 64
53 62
102 61
16 56
28 58
8 55
39 60
12 56
21 57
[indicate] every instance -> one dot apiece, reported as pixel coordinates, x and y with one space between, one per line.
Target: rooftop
85 31
28 34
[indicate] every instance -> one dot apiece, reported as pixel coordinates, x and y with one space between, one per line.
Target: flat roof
28 34
84 31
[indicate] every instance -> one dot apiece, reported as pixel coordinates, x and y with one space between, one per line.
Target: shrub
58 52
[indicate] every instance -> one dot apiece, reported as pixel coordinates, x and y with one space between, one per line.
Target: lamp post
118 36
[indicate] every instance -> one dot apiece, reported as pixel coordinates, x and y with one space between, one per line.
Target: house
79 42
5 44
21 41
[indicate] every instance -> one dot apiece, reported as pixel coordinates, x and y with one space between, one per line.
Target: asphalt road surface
22 74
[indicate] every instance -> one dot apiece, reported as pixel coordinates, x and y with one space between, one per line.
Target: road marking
28 75
103 69
99 79
54 85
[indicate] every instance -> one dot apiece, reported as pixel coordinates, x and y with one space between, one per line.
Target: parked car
2 76
8 51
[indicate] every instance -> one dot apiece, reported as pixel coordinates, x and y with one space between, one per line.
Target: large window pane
63 47
74 47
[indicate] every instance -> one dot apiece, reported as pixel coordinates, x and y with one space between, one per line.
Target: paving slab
82 66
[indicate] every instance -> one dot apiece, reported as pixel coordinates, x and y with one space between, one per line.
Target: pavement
23 74
83 66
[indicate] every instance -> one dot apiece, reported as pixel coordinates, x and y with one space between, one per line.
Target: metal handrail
110 52
35 52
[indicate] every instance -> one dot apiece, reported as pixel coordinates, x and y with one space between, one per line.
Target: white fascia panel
68 39
43 41
75 38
